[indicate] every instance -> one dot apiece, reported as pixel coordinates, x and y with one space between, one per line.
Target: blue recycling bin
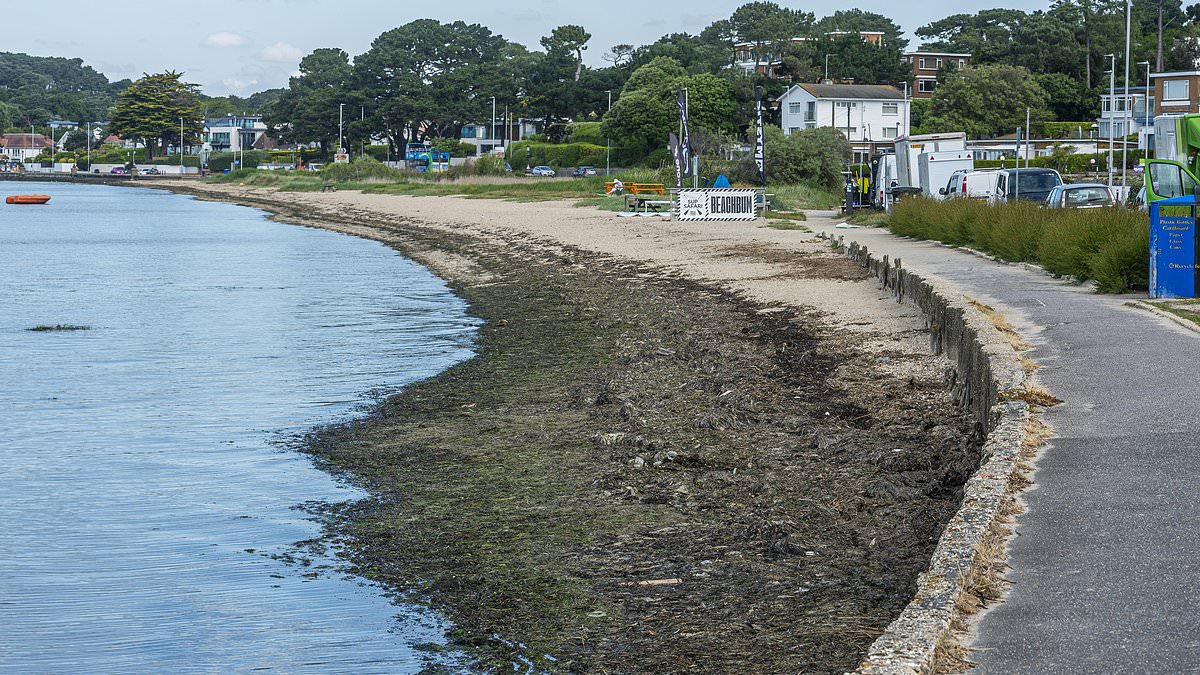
1174 267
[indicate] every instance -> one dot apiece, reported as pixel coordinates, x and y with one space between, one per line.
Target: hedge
556 154
1079 163
1110 246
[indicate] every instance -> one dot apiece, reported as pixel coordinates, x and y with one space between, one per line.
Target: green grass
1178 308
869 218
802 196
1109 246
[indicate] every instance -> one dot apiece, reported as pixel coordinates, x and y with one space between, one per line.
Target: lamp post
607 140
341 107
1146 110
492 135
1126 114
362 117
181 146
1112 99
827 66
89 145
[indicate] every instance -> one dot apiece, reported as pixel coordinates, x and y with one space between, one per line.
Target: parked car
147 170
1031 184
543 171
1080 196
972 183
584 171
120 170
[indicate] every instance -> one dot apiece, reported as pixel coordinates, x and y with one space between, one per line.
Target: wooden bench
646 202
329 187
638 188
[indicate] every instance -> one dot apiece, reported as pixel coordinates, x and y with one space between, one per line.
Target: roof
1177 73
860 91
925 53
25 141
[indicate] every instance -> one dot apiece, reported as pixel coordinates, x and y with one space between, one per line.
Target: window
890 132
924 63
795 107
792 130
810 114
810 125
846 104
1175 90
926 86
1168 180
891 108
962 63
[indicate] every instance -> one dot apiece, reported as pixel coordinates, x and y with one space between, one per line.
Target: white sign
717 204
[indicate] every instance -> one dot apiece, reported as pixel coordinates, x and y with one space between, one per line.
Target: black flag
685 142
760 147
673 145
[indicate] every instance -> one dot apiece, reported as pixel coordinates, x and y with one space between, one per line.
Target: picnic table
646 202
638 188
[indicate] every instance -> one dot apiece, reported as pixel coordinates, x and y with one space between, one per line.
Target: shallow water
144 501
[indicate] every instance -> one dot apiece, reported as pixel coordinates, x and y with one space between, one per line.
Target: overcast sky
244 46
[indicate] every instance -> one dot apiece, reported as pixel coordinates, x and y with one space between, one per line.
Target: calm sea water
147 510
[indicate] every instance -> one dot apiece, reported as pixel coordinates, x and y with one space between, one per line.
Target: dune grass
1109 246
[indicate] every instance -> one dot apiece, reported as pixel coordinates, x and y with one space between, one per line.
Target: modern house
746 55
1122 116
22 147
233 133
477 134
927 65
867 114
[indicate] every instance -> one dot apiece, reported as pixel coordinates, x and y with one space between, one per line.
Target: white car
975 184
543 171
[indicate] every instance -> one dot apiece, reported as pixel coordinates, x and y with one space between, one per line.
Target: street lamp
492 145
181 146
607 140
1112 99
341 107
1127 114
827 66
1146 111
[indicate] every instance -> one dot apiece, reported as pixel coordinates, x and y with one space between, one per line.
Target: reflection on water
143 508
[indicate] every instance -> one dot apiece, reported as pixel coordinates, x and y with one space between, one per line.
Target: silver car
1079 196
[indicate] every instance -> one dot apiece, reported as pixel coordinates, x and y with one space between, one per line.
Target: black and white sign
717 204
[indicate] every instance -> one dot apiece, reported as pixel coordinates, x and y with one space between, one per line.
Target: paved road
1106 564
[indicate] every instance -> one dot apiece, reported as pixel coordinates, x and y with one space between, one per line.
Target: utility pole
1112 100
181 146
1027 137
608 141
1126 112
492 146
341 107
362 117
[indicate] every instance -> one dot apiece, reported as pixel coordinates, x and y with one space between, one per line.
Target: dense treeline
427 79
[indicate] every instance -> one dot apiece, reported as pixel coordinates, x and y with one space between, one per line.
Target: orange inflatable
27 199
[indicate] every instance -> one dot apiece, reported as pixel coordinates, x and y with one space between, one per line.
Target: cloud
224 40
282 52
239 86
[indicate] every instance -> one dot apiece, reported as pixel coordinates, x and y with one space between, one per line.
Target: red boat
27 199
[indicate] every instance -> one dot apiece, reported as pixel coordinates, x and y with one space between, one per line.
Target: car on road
975 184
543 171
1080 196
1032 184
147 170
584 171
120 170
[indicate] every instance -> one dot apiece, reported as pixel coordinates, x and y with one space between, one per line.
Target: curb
987 373
1142 304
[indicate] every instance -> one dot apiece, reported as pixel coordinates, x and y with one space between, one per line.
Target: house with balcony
749 57
233 133
1124 115
926 66
868 115
23 147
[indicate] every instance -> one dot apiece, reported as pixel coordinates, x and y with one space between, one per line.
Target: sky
243 46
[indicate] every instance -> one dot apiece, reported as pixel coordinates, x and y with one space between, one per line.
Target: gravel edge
989 377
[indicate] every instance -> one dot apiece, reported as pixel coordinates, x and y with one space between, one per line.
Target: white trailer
935 168
909 150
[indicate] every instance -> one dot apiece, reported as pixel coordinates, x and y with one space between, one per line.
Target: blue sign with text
1173 262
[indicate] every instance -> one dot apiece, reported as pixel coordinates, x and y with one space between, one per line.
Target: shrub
585 132
361 169
1110 246
557 154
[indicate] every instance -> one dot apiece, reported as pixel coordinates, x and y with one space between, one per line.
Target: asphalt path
1105 567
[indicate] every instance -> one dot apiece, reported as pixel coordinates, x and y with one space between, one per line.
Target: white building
866 114
1121 116
22 147
233 133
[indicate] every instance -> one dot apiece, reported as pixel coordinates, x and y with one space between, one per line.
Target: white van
971 183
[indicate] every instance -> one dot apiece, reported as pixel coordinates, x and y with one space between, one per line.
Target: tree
850 57
769 27
571 39
987 100
815 156
856 20
151 108
620 55
1068 98
307 112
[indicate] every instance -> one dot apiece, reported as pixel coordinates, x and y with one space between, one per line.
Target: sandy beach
681 447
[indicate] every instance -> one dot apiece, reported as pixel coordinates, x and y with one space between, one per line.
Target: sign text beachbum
717 204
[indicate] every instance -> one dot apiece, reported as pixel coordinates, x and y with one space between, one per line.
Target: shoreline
641 471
